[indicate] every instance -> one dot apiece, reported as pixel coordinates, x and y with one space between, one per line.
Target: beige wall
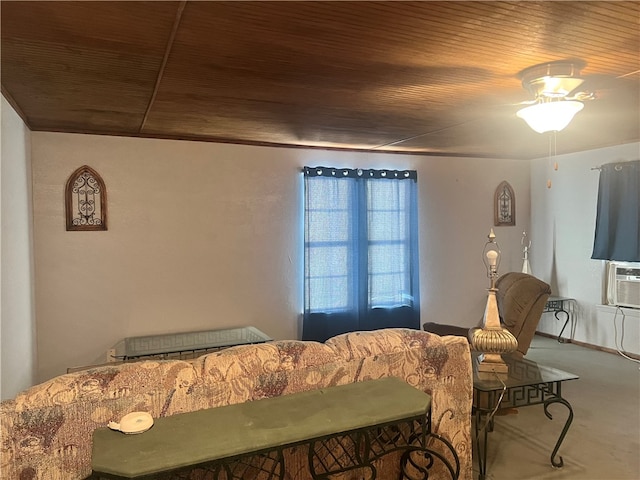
17 318
206 235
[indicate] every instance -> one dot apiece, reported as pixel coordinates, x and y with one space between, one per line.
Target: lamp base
491 366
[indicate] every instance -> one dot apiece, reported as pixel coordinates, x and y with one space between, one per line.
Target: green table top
217 433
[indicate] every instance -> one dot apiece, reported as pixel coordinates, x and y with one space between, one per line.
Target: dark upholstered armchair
521 301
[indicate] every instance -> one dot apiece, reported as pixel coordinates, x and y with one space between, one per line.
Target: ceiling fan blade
581 96
596 82
522 103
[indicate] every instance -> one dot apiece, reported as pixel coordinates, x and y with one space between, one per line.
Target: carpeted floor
603 442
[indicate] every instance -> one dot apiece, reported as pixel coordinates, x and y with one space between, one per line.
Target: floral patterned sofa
46 431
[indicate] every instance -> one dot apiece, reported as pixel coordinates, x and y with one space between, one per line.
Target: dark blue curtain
617 234
361 251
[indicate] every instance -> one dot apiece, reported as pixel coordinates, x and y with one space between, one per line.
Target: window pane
328 276
329 193
328 225
389 290
389 275
328 294
327 261
387 225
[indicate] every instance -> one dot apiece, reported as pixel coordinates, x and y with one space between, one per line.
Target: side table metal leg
559 463
481 445
566 322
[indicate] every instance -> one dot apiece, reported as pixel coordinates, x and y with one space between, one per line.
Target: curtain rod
618 165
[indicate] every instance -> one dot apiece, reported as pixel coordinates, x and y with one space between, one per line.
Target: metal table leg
481 444
560 306
559 463
566 321
543 393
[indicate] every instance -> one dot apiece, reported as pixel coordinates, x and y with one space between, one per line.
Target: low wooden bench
345 427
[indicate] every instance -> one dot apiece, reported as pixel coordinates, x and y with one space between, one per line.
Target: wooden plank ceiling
420 77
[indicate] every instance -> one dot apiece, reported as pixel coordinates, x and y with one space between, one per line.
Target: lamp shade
550 116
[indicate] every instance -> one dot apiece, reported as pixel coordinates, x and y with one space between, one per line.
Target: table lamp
491 339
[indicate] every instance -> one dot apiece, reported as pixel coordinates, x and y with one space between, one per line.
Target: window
361 251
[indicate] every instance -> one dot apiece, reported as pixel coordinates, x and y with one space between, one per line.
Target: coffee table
527 383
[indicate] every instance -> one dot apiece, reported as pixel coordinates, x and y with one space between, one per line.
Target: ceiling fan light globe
550 116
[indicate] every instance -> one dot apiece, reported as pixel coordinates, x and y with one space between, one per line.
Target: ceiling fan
556 80
557 94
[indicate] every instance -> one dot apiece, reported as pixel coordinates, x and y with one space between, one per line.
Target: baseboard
591 346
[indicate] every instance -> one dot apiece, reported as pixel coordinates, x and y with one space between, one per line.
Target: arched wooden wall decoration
85 197
504 205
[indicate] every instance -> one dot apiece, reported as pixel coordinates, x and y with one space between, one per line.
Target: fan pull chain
552 153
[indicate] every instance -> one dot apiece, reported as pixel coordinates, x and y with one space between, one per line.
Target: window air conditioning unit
623 284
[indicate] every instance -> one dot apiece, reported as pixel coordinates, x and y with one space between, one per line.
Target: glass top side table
561 307
527 383
185 345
